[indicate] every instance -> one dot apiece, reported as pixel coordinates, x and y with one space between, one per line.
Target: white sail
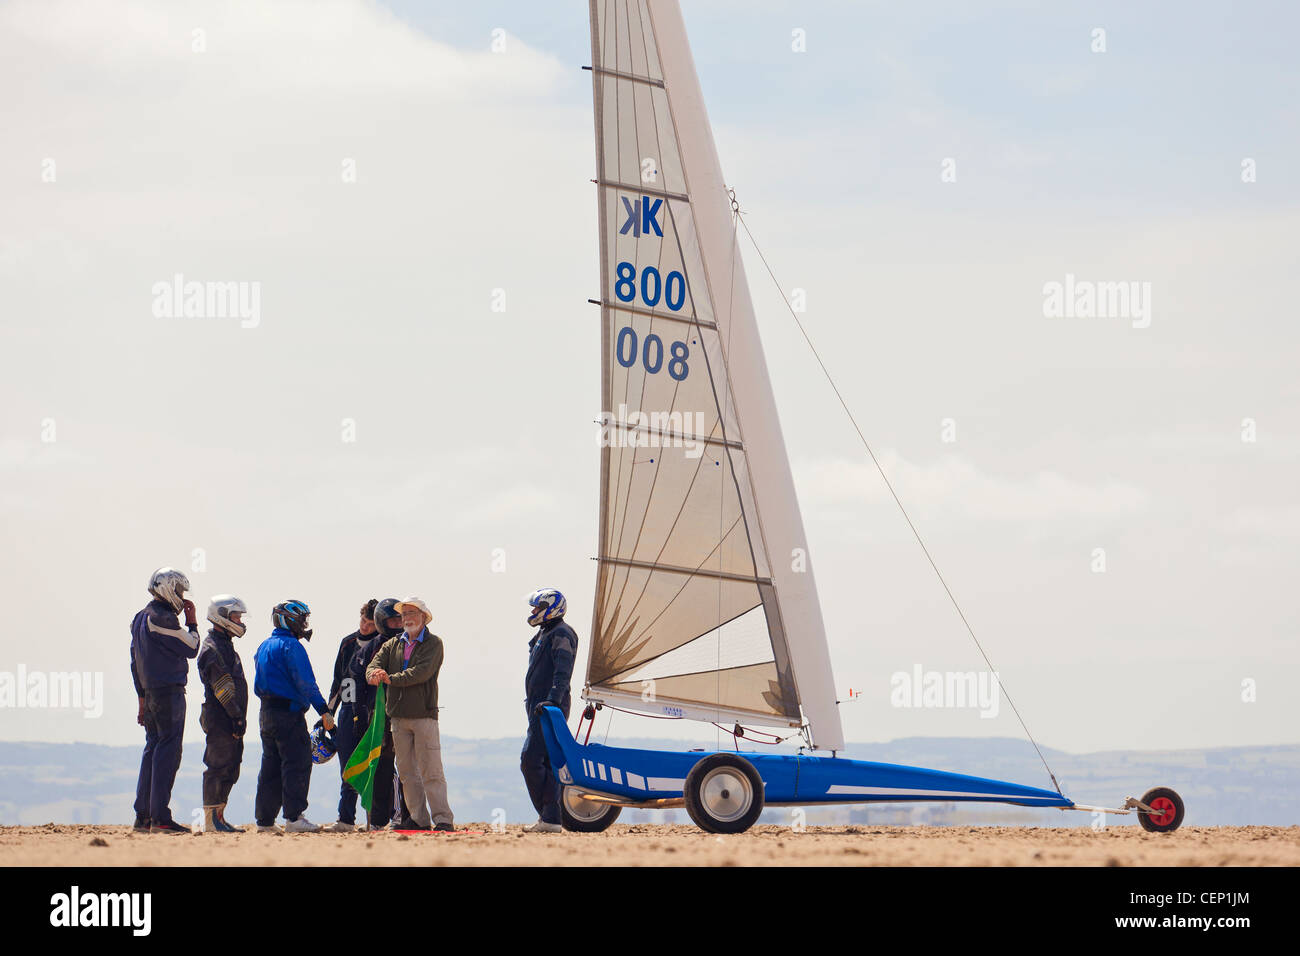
706 604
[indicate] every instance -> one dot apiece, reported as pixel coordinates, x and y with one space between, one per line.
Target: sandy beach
671 845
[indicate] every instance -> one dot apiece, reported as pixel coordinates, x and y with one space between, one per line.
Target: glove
240 727
191 616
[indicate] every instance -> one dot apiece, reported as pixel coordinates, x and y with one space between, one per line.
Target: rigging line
865 444
727 402
776 740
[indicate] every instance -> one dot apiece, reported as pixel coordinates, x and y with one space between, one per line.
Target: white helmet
547 604
220 609
169 586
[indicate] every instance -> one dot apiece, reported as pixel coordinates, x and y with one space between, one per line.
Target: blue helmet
548 604
323 747
293 617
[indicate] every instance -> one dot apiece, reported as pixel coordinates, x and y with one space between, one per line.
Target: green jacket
412 688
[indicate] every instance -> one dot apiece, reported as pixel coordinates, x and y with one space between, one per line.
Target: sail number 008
651 353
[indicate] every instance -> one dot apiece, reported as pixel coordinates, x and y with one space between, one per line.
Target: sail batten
695 489
643 189
674 569
661 316
621 74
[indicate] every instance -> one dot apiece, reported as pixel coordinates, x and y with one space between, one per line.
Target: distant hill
93 783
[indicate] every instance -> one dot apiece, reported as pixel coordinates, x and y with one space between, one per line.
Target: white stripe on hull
906 791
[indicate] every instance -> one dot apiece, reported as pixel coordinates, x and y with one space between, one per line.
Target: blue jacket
284 670
550 665
160 649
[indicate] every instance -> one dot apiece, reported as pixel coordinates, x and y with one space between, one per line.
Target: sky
1111 499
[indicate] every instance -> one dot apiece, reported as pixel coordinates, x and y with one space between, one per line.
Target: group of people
392 646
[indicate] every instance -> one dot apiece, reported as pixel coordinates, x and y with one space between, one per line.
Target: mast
700 595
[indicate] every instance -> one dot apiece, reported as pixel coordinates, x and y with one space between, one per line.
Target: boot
219 818
209 818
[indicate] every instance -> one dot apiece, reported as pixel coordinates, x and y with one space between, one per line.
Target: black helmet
293 616
385 609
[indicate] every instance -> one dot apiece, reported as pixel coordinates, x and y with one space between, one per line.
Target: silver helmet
169 586
220 609
547 604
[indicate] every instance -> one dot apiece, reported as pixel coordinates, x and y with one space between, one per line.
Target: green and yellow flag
364 763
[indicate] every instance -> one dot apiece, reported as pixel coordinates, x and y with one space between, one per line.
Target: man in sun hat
409 665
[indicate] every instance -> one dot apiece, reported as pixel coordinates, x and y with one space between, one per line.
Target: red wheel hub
1165 811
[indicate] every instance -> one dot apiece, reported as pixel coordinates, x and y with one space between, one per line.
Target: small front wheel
580 815
1168 811
724 794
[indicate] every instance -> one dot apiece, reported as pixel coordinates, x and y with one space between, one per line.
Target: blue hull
650 777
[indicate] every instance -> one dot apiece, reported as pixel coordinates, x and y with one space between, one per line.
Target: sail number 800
653 286
651 353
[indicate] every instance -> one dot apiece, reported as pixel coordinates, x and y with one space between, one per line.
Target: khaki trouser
419 765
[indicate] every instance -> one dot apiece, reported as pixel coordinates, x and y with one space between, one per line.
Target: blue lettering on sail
642 217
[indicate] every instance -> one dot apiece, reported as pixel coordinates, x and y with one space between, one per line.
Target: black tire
1162 798
585 816
724 794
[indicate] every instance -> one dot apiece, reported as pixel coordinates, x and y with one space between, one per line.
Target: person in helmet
409 665
352 699
160 654
388 806
224 715
550 667
287 687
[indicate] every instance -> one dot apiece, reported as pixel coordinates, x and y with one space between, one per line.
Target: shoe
444 828
220 823
339 827
141 825
408 824
301 825
169 827
541 826
272 828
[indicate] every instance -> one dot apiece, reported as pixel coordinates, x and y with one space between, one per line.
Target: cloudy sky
412 409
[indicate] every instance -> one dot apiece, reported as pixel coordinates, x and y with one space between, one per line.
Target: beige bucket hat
416 603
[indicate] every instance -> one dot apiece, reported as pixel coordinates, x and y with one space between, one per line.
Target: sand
662 845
